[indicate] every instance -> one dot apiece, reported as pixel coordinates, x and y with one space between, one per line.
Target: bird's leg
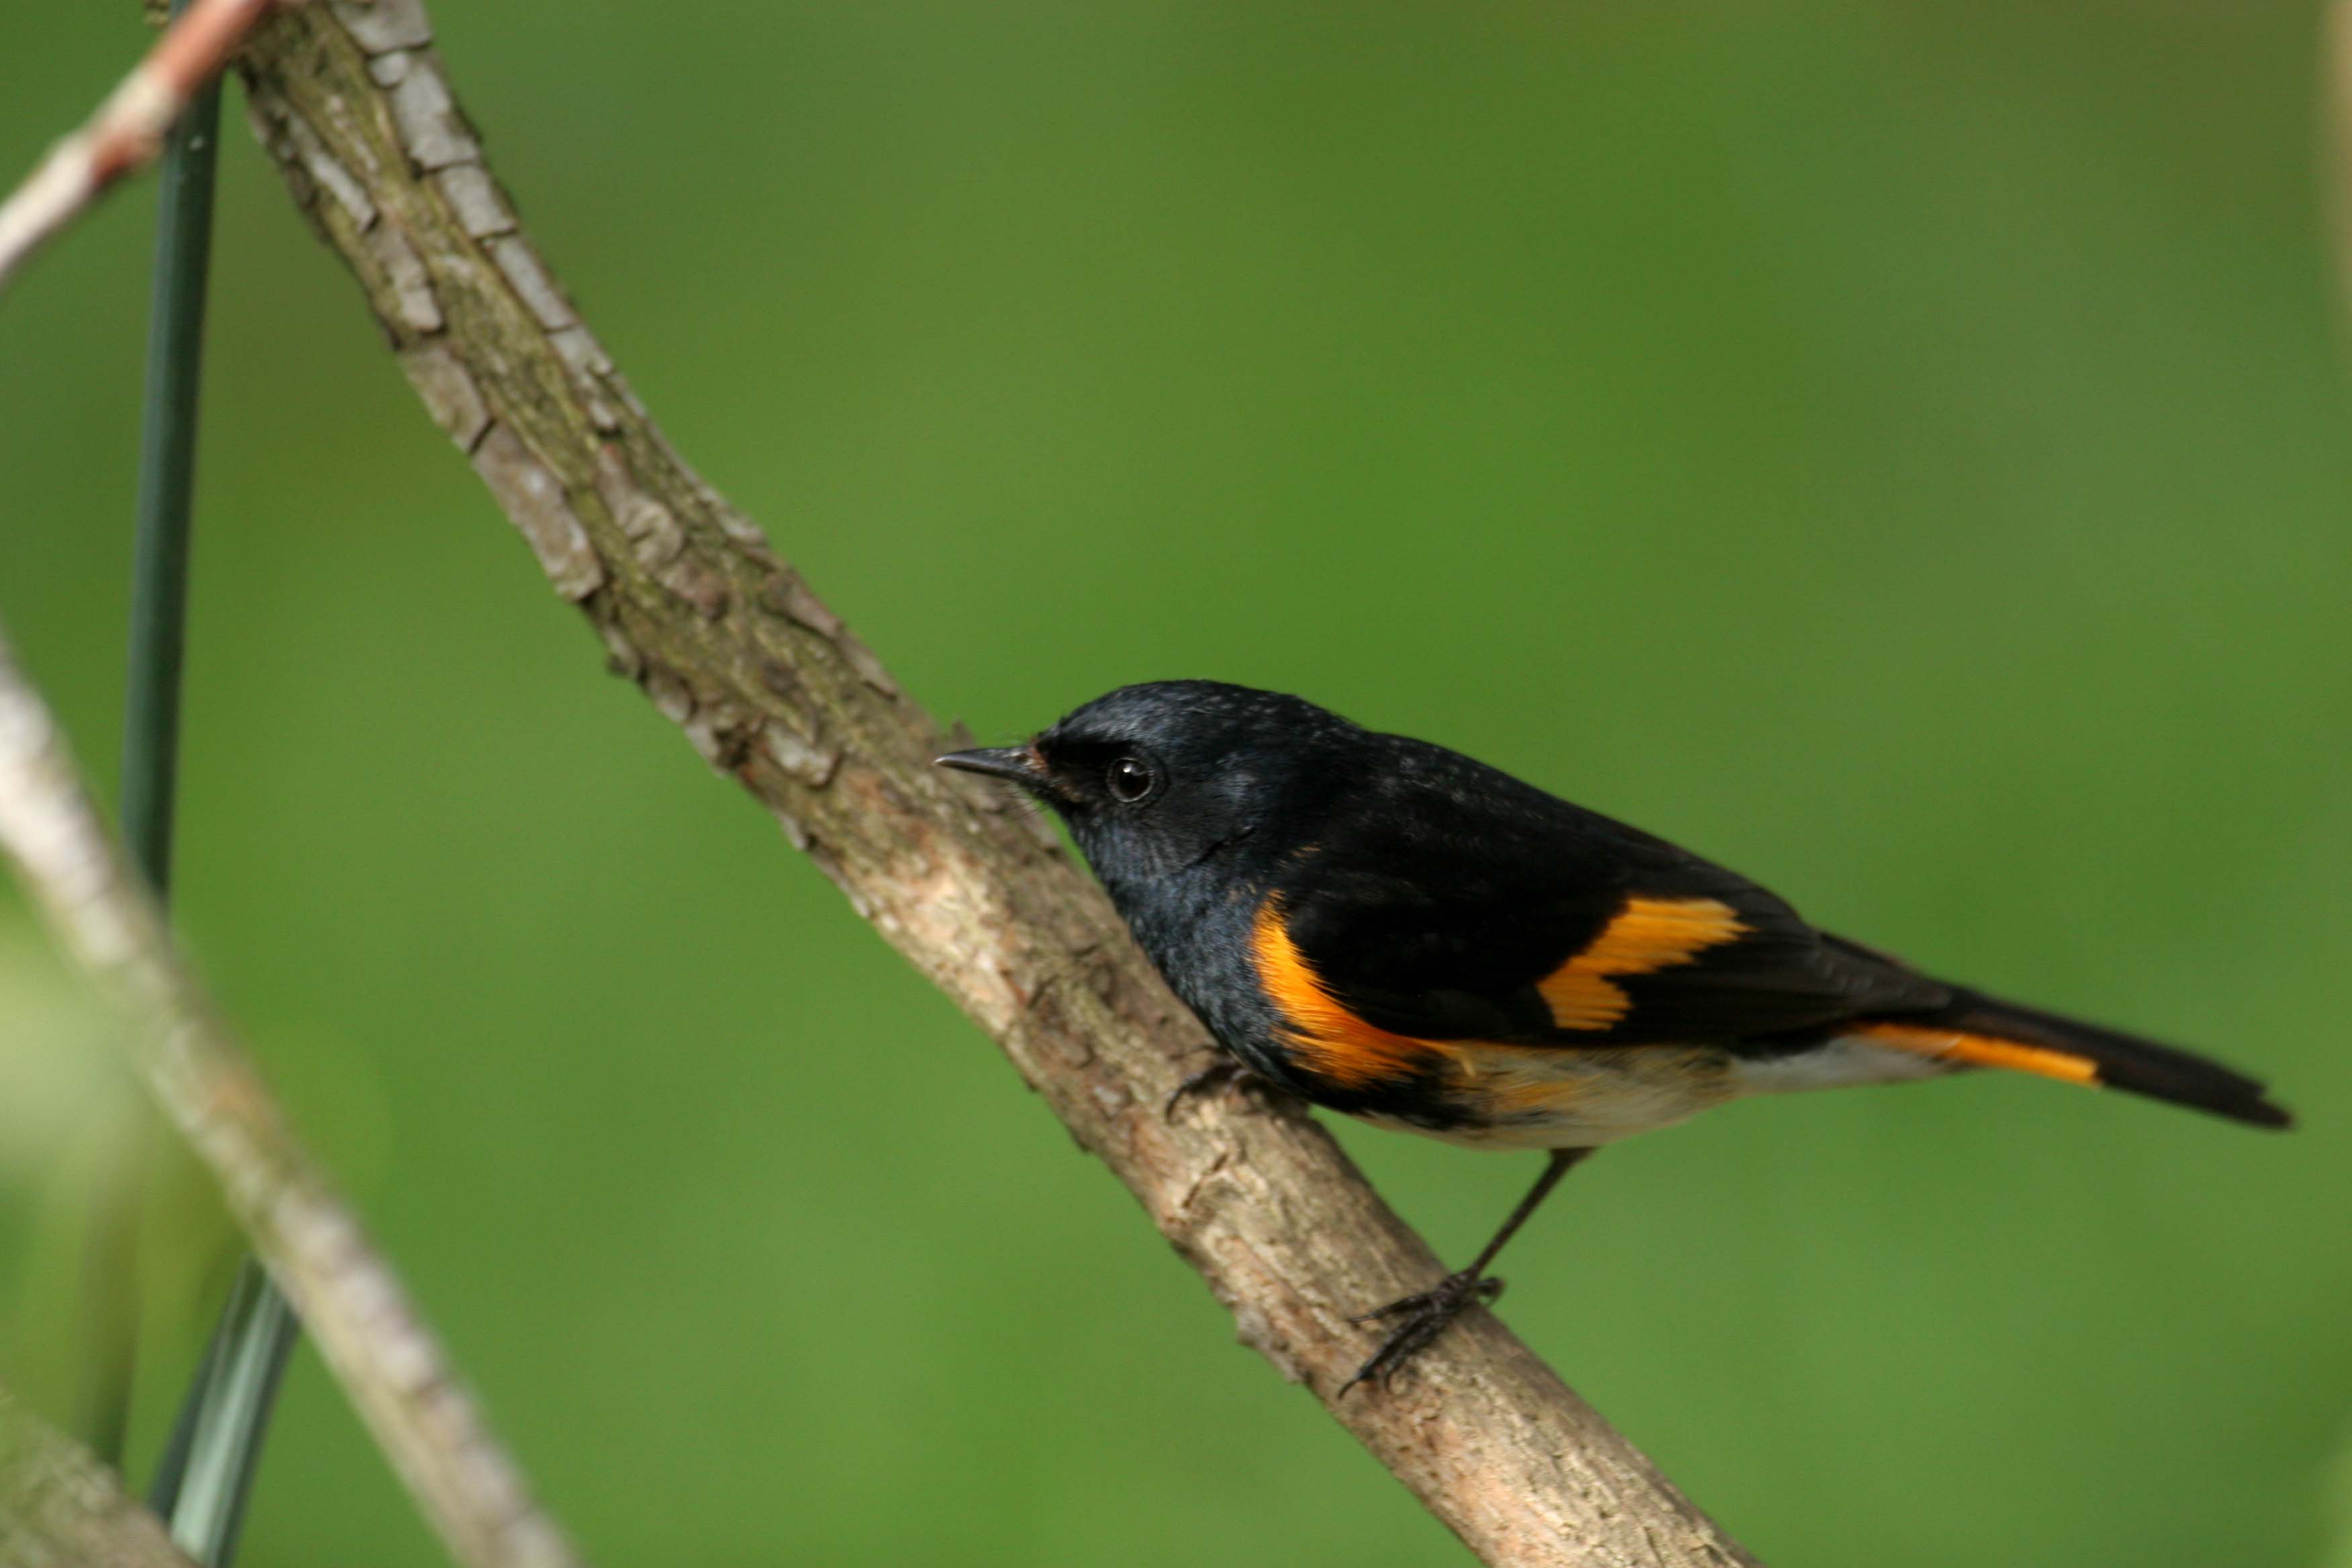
1224 1072
1423 1317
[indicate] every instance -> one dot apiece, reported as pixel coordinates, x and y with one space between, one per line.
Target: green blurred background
1899 448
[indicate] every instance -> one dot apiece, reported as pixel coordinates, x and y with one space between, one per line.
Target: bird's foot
1224 1073
1421 1319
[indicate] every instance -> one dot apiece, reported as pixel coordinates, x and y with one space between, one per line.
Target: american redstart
1395 930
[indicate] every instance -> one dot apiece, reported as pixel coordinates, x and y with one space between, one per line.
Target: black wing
1444 900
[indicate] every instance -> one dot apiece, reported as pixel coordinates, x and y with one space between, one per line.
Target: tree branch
127 128
372 1335
59 1506
772 690
2336 150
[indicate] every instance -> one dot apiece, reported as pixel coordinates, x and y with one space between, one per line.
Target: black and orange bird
1393 930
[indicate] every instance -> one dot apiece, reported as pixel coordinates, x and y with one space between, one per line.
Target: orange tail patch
1983 1051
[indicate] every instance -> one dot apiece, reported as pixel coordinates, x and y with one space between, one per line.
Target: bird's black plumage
1396 931
1434 896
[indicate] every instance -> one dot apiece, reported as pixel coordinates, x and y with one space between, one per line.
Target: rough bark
772 690
59 1508
374 1339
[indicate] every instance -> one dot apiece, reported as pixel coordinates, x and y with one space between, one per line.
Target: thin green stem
159 602
226 1416
207 1470
167 476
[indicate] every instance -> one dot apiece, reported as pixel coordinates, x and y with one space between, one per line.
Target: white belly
1512 1097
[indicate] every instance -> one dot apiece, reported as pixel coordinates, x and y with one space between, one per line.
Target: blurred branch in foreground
58 1505
388 1360
128 129
2336 152
732 646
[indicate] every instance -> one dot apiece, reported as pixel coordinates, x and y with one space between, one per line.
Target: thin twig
371 1335
2335 159
772 690
58 1505
127 128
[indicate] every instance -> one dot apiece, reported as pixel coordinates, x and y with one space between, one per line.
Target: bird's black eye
1130 780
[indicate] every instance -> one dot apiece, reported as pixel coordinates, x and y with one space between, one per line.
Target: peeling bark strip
379 1347
733 647
128 126
58 1505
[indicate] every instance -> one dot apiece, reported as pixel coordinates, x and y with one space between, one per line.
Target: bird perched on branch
1393 930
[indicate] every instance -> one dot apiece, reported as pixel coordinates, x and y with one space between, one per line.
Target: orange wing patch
1645 936
1983 1050
1331 1041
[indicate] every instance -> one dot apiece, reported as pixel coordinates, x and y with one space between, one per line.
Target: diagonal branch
372 1335
60 1505
127 128
771 688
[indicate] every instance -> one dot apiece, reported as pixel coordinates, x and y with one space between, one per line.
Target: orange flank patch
1645 936
1983 1051
1514 1097
1330 1040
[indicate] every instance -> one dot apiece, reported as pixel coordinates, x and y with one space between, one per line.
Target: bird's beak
1019 763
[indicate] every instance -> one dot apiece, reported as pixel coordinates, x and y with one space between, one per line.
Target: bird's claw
1424 1316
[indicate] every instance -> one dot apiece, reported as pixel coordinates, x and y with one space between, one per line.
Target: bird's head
1156 778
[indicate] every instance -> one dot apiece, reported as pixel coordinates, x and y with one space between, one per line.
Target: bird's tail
1976 1030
